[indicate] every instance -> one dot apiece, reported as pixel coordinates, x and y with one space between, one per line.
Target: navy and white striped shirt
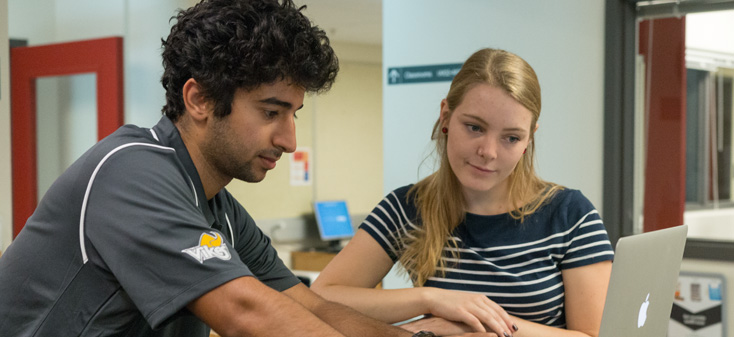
517 265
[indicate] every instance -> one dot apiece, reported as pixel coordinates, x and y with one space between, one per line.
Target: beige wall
346 147
5 188
343 129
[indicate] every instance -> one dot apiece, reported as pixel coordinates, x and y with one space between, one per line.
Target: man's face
247 143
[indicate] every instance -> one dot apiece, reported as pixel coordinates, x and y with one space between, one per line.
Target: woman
487 243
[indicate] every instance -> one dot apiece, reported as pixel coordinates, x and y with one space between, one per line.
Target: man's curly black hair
230 44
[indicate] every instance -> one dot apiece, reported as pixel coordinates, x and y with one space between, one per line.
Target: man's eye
271 113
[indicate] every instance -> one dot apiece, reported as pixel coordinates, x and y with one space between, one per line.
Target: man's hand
443 327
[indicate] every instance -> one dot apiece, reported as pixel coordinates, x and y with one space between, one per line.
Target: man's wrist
424 333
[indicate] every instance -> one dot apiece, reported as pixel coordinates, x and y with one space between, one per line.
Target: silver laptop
642 285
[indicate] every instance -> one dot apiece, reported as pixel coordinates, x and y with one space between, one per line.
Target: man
139 237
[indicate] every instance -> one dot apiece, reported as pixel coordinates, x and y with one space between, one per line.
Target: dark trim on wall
619 104
18 43
709 250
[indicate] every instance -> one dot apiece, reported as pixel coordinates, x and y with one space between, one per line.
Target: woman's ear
443 118
197 106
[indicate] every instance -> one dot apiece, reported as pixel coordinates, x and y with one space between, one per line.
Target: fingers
493 320
502 316
473 322
490 315
475 310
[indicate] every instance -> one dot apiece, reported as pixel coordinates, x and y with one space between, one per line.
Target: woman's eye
513 139
473 128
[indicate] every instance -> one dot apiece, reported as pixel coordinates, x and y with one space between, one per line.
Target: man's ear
197 106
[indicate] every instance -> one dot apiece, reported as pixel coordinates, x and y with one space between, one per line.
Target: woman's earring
526 150
445 130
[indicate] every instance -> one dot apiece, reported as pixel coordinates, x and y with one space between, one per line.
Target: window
709 170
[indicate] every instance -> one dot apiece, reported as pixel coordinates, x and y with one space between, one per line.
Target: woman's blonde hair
439 198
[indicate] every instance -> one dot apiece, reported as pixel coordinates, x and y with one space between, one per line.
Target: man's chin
252 178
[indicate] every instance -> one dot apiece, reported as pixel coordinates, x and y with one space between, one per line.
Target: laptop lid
642 285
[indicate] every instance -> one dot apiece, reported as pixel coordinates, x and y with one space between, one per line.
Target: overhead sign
422 74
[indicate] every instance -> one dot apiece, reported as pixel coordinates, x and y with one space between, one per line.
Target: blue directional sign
422 74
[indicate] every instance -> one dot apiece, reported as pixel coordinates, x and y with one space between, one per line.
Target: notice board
699 308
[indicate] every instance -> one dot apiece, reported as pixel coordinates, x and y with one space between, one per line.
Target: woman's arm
351 277
586 289
342 318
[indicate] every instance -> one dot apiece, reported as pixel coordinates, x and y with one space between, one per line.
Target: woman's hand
477 311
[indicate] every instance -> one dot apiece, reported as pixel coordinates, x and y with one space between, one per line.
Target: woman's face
487 134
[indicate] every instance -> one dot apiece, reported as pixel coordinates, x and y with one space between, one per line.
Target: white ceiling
353 21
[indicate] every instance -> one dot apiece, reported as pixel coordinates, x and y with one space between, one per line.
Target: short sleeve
588 241
256 251
390 221
143 226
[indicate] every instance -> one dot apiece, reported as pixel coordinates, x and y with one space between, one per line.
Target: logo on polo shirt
210 246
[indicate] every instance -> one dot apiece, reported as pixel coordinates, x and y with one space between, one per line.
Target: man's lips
269 161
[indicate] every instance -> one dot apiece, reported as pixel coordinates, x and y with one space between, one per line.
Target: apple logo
642 316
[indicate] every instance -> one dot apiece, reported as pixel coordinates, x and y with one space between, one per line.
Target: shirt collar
168 135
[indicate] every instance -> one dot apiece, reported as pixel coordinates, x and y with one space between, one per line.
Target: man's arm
247 307
344 319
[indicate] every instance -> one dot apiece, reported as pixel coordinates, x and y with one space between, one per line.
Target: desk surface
310 260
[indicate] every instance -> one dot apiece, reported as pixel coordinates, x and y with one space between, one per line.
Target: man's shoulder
126 139
128 153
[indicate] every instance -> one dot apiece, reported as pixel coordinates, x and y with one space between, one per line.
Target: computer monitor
334 222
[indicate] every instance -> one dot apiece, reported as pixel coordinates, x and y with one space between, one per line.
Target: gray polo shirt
124 240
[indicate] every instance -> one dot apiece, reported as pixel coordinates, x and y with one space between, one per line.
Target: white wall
562 40
6 206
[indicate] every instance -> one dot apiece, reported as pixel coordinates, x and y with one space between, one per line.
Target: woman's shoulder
400 199
401 193
568 196
569 203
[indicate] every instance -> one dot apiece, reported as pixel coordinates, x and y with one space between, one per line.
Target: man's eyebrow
273 100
